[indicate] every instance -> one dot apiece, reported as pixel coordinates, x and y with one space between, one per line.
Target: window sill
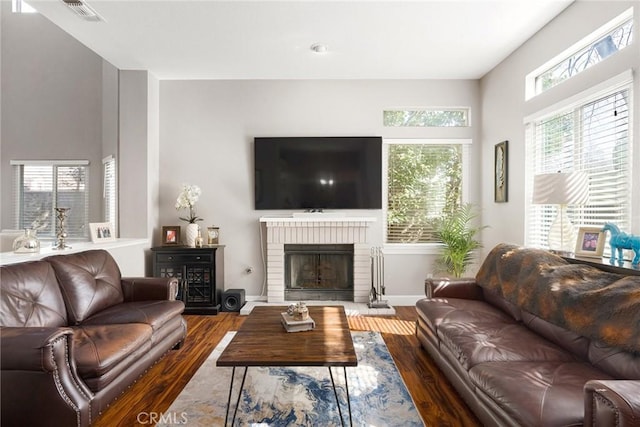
76 246
412 248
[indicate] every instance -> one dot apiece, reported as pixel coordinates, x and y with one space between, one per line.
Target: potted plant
187 200
457 233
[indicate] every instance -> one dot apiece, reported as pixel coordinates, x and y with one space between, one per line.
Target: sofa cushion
504 305
31 296
536 393
565 338
108 349
478 342
90 282
436 311
615 361
152 313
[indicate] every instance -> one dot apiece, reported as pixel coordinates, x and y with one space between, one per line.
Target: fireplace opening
318 272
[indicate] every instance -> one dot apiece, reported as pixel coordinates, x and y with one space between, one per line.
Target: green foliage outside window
425 118
425 183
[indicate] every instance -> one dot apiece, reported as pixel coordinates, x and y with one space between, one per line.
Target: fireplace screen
318 272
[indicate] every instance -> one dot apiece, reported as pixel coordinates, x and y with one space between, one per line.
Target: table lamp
561 189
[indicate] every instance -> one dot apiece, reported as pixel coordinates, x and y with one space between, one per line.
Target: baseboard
402 300
399 300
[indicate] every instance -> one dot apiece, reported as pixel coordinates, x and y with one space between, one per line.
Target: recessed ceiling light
319 48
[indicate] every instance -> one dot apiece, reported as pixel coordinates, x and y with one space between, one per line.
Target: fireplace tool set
377 279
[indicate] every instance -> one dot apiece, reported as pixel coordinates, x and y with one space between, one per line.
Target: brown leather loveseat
536 341
75 335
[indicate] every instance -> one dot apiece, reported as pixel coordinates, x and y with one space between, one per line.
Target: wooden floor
153 393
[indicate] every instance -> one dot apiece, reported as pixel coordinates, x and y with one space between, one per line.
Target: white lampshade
561 188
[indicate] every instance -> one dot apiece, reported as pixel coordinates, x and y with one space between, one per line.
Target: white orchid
187 200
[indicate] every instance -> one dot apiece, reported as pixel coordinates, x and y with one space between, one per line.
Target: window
592 136
41 186
612 37
426 118
424 182
109 191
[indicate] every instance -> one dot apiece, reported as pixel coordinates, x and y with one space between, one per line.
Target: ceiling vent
83 10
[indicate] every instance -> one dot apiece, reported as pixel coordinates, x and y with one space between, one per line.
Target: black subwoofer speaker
232 300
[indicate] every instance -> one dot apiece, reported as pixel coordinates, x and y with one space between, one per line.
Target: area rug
300 396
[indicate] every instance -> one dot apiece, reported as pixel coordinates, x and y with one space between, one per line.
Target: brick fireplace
317 230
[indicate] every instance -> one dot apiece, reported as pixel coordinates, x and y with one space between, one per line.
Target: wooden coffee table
263 341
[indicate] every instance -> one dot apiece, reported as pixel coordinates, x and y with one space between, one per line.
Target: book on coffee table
292 325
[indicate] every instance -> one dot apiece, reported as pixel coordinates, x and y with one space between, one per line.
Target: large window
592 136
41 186
424 182
109 191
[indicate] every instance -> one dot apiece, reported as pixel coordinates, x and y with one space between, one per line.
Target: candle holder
61 214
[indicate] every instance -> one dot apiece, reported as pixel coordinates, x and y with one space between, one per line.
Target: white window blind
109 191
41 186
592 136
424 182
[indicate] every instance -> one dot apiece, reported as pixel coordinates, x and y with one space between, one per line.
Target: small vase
28 243
191 234
199 240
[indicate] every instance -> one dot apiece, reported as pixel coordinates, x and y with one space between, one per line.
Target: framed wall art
101 232
590 242
170 235
501 176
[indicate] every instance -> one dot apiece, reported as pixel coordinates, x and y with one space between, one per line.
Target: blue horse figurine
620 240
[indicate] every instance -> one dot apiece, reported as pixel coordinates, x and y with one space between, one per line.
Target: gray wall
133 171
62 101
206 138
51 102
504 107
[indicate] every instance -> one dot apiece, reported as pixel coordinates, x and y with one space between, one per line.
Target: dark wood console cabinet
625 269
201 273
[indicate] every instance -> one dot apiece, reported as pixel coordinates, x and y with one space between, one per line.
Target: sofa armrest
149 288
25 349
452 288
39 378
612 403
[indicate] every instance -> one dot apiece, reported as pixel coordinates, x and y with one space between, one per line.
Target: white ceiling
264 39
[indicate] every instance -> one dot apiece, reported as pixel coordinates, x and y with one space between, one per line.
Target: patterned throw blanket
593 303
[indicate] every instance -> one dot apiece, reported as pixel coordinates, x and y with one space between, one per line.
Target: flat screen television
314 173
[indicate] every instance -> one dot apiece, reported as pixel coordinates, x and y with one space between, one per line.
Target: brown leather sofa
75 335
508 352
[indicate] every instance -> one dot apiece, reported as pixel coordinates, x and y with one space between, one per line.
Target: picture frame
213 235
501 177
101 232
170 235
590 242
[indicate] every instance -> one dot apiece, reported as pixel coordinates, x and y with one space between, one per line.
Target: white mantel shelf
313 217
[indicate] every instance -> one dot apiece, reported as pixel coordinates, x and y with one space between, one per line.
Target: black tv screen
313 173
